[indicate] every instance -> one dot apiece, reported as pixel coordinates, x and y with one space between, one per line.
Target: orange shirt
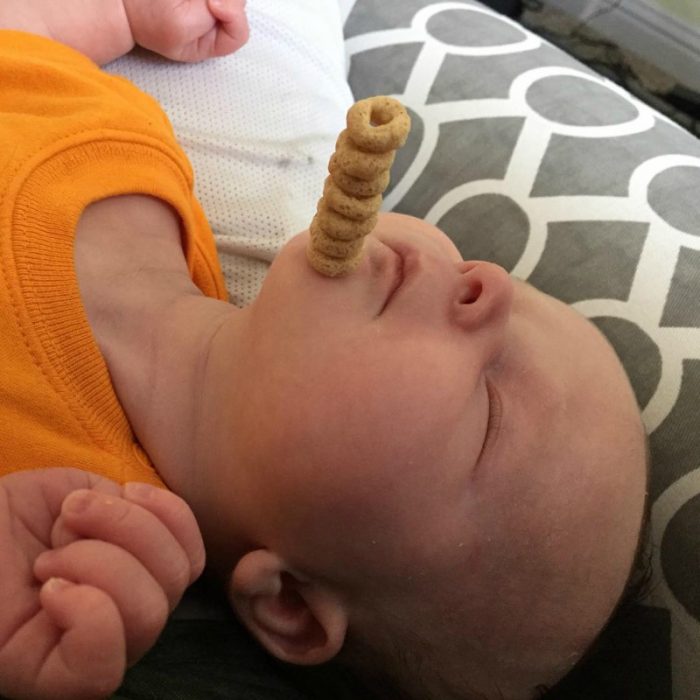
70 135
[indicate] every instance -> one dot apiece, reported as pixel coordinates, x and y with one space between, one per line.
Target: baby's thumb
226 10
89 659
234 27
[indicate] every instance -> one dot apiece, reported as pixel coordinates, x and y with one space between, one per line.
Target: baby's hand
188 30
89 571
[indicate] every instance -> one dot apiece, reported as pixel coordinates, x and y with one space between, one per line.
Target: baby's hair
404 666
401 665
385 673
637 589
609 646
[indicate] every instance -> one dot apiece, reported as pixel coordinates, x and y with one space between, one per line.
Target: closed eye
493 424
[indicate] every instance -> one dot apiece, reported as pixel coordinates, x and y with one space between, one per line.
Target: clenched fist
188 30
89 571
183 30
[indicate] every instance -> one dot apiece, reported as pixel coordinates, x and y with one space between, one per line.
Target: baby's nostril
472 293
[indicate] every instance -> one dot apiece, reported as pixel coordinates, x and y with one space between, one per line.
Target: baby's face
457 426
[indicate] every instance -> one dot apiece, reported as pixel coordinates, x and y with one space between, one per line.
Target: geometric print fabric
529 159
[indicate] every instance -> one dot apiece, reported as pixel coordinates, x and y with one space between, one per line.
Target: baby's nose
484 300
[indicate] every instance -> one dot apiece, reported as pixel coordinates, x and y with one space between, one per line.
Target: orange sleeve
70 135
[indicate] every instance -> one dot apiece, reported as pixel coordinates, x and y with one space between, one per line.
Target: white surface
345 7
259 127
645 27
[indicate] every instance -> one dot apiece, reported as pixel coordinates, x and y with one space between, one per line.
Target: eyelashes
495 418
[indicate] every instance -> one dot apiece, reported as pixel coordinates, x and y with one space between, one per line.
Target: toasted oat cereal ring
378 124
332 247
355 208
354 185
359 174
337 226
332 267
355 162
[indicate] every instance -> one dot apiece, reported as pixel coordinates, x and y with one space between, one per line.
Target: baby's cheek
446 245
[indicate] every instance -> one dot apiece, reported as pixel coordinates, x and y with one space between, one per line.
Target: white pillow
345 8
258 126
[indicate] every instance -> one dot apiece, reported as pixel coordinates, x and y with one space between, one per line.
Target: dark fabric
216 659
623 665
206 654
512 8
206 659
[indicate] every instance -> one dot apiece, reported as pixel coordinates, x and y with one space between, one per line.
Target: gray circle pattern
527 158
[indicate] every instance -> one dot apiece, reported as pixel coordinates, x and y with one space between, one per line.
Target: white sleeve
258 126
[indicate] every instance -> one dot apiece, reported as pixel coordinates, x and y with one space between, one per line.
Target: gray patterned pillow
528 159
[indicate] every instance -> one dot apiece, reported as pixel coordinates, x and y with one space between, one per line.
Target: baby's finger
61 534
138 530
233 30
176 515
139 598
90 658
226 10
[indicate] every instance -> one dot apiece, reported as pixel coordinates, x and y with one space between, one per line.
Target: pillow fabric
258 126
527 158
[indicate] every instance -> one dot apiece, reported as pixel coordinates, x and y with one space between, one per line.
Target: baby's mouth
397 276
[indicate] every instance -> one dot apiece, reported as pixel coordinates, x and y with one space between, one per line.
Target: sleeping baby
422 467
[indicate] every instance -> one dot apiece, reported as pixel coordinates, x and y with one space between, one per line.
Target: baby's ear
297 620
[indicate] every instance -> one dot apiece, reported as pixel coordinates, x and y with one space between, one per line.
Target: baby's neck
152 324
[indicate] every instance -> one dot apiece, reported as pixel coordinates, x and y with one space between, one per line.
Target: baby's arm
100 30
89 571
189 30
